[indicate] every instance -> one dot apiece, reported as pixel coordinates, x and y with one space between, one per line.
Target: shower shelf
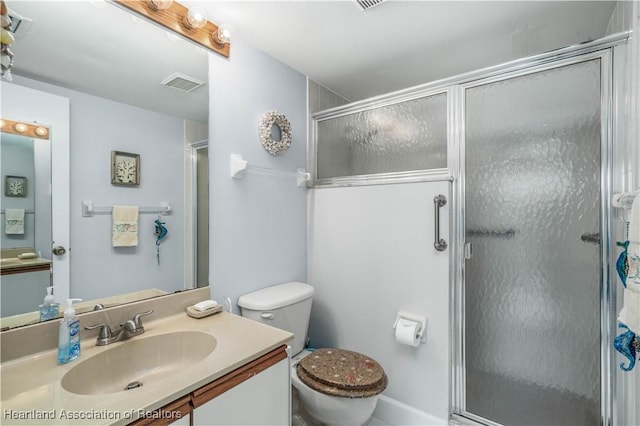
624 200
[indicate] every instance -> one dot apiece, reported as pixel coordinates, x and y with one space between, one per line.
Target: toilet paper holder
415 318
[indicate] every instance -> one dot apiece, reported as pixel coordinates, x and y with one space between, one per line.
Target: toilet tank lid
276 296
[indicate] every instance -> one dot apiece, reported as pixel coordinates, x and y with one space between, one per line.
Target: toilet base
300 417
337 414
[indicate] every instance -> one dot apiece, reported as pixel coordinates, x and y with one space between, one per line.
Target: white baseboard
396 413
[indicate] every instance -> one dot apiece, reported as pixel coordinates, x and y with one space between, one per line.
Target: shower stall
526 154
534 144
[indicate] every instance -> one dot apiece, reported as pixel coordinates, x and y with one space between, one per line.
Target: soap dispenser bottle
49 309
69 336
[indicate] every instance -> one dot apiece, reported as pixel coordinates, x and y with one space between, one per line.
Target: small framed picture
125 168
15 186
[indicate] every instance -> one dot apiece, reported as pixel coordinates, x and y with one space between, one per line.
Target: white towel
14 221
125 226
630 313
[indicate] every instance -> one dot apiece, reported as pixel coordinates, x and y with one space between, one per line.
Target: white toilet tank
286 306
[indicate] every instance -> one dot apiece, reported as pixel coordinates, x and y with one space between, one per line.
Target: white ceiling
398 44
98 48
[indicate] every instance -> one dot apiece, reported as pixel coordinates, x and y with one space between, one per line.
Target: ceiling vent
19 24
182 82
368 4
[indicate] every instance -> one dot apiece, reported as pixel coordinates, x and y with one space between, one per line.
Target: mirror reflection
26 221
19 157
111 68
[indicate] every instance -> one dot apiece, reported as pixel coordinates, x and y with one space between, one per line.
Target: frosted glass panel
403 137
532 287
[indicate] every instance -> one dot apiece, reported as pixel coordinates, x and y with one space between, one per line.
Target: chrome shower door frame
569 56
390 99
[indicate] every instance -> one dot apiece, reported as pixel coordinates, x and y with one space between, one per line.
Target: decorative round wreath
272 146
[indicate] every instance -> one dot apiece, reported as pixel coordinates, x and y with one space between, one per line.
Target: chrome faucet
129 329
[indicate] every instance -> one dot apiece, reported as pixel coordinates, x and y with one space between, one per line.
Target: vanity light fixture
32 130
196 18
159 4
223 35
189 23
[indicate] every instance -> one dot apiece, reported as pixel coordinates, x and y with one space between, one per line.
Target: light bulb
223 35
159 4
21 128
41 131
196 18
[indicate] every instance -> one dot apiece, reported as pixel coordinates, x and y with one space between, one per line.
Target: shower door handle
591 237
439 201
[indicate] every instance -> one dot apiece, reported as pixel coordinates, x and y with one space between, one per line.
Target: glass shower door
532 215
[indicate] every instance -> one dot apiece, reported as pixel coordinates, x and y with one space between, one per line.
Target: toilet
335 386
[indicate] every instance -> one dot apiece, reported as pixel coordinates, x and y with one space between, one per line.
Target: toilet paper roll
407 333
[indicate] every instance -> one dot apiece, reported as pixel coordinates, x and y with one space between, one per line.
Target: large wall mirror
119 74
26 215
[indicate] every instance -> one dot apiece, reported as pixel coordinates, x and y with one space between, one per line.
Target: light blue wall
97 127
258 224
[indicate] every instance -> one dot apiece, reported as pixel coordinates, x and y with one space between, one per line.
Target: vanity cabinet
23 289
262 398
258 393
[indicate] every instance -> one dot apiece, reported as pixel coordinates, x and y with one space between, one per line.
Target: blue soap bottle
69 335
49 309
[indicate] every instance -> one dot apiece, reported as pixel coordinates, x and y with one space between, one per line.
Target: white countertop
31 386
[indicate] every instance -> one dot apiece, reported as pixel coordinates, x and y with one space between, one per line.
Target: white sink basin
142 360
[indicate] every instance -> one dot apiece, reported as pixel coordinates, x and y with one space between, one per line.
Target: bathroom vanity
15 265
24 281
262 385
223 369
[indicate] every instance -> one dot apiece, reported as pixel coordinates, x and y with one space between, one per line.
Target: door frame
607 291
191 212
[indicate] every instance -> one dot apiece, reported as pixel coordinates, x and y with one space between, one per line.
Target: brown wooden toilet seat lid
339 372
